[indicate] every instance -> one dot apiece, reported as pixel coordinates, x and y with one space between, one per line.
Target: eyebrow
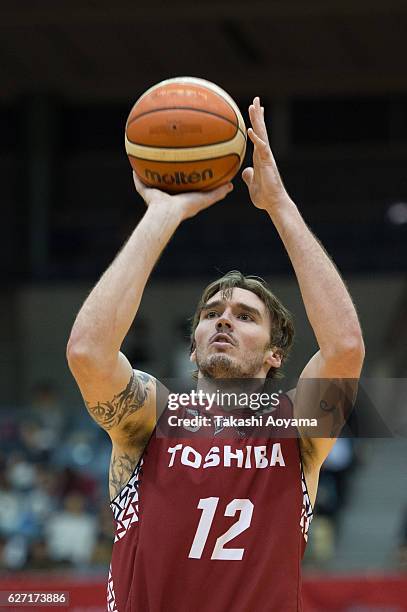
239 305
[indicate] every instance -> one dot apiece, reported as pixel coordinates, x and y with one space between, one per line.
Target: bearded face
232 338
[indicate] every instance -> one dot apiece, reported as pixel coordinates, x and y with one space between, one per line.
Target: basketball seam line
213 185
198 110
185 161
198 146
213 88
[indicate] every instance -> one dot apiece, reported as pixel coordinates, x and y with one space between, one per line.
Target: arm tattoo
132 398
121 468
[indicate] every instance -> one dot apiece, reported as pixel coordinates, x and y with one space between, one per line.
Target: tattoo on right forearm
132 398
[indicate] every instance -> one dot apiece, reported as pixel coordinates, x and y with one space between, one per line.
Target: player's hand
185 204
263 180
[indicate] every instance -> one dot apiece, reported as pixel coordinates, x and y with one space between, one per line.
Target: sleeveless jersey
212 522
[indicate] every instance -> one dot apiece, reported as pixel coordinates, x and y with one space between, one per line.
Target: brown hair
282 328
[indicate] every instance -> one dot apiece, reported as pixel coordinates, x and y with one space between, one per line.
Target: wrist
279 205
165 210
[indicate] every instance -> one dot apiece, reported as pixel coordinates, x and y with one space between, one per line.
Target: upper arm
122 401
326 391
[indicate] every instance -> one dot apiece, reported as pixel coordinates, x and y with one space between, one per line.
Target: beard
222 366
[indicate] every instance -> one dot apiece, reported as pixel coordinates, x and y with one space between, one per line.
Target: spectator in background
103 547
71 481
332 494
71 533
32 440
10 505
9 434
21 473
47 410
38 557
32 488
42 500
334 478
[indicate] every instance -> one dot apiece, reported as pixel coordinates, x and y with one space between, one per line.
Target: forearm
108 312
328 304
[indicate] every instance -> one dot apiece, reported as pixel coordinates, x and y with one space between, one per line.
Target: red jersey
211 523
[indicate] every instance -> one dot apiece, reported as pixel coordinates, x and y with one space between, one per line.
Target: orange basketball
185 134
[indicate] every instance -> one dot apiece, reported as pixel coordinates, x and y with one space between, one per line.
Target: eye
245 317
210 314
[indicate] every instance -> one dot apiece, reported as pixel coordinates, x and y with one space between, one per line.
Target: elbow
355 346
78 355
350 352
80 352
86 360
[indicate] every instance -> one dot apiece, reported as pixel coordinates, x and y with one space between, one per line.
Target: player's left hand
263 180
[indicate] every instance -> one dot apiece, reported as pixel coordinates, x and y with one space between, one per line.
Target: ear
192 356
273 358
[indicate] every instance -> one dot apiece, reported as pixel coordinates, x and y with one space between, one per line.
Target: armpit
307 453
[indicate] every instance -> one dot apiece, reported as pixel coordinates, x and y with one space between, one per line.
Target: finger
257 120
247 176
256 114
214 195
261 147
203 199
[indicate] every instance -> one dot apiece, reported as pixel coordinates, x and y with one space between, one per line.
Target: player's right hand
187 204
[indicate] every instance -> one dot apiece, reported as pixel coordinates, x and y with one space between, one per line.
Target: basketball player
218 522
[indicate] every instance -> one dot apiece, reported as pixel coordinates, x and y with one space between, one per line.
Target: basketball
185 134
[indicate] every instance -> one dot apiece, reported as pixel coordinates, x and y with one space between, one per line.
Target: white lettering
173 401
184 399
260 453
196 462
263 456
229 455
277 455
210 399
212 459
248 452
172 451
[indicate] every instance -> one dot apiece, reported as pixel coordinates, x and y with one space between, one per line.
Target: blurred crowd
54 506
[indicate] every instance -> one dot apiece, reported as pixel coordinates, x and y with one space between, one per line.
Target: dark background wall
331 75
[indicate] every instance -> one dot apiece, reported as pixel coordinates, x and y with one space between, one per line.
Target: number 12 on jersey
208 506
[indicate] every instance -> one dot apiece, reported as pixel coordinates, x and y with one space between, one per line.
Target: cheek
200 333
254 342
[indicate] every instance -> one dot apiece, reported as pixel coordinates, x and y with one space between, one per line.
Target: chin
220 366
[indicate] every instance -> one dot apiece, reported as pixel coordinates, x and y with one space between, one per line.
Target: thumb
138 184
247 176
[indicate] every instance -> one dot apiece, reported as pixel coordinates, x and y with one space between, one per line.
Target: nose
223 324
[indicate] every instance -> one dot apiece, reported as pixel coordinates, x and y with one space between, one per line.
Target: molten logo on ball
178 178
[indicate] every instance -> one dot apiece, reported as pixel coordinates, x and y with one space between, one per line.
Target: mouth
222 340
